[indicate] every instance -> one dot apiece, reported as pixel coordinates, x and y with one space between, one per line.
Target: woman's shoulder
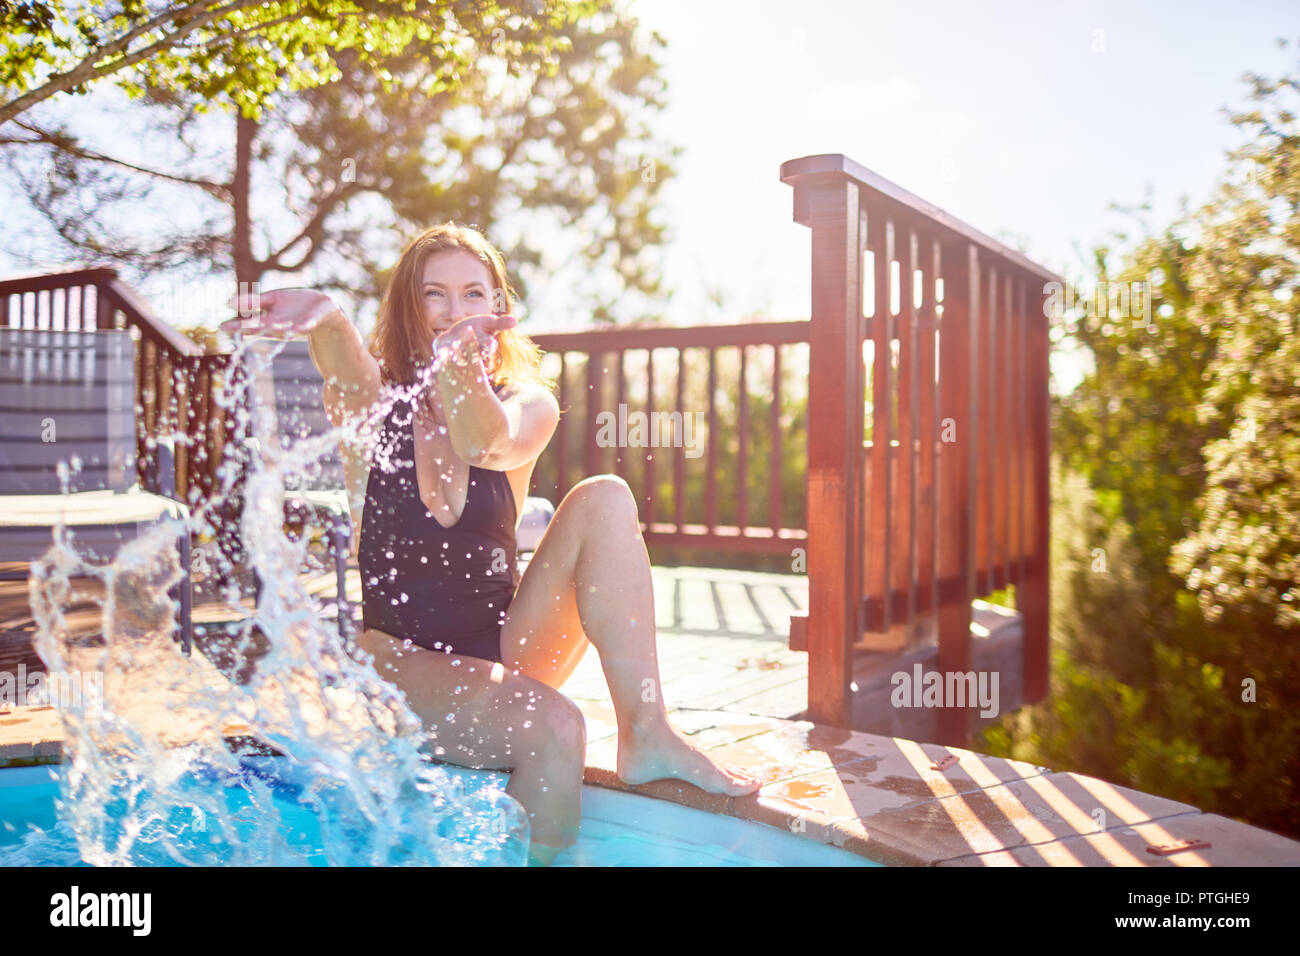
524 386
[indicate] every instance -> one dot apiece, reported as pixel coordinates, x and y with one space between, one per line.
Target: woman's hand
457 344
283 313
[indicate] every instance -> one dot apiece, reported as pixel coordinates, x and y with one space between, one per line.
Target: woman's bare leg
590 581
501 720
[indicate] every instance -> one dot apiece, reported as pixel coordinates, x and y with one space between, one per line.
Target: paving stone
1231 844
777 811
773 756
1032 811
711 728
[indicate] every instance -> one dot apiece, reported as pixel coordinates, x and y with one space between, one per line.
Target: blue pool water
618 829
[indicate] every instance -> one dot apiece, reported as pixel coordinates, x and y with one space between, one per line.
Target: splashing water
149 776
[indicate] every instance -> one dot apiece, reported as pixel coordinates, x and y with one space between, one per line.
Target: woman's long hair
402 342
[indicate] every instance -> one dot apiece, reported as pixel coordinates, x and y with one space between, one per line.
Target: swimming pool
618 829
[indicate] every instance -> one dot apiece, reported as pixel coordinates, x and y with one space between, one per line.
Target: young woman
479 650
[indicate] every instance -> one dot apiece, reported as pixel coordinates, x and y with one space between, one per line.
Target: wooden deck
723 643
722 635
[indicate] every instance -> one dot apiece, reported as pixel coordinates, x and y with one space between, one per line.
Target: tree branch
86 70
311 232
218 191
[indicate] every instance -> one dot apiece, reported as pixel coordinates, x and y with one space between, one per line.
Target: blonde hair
402 342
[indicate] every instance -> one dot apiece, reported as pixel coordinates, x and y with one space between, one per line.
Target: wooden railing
949 498
176 382
593 430
928 492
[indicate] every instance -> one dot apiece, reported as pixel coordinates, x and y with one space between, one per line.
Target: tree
533 126
1245 552
240 52
1175 511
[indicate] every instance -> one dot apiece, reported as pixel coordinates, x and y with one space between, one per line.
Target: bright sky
1025 118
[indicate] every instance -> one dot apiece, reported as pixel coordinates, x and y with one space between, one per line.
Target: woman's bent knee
607 493
552 727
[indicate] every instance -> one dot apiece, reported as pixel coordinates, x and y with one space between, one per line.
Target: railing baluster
593 457
620 452
650 492
905 510
1037 580
679 452
929 562
710 479
1020 459
959 406
562 439
742 446
878 542
983 451
104 318
774 509
1005 453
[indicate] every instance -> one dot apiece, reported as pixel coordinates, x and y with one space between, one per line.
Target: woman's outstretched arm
352 379
351 374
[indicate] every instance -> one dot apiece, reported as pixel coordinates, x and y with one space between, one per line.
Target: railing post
879 508
103 306
829 205
592 458
959 415
1036 601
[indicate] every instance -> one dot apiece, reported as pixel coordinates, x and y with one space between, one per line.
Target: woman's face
455 284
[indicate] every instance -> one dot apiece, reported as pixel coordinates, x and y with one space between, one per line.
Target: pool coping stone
876 796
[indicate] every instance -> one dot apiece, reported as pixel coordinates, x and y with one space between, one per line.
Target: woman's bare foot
656 751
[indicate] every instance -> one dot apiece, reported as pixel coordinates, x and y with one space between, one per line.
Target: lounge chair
66 395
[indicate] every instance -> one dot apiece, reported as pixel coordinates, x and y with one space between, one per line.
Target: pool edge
906 805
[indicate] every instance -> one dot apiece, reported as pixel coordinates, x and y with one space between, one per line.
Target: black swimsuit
446 589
